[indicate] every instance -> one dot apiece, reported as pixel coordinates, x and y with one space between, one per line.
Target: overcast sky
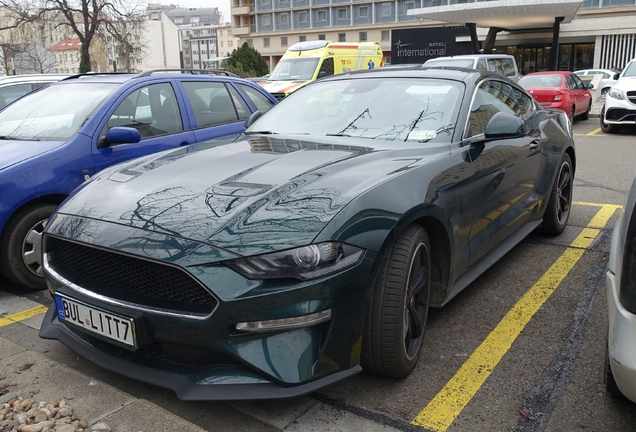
223 5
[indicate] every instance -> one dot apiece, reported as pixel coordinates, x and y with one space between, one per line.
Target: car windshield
55 113
630 70
466 63
535 81
297 69
395 109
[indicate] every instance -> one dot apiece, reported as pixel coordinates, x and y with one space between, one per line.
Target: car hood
626 83
283 86
16 151
248 197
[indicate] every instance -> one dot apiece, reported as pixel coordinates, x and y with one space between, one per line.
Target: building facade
602 33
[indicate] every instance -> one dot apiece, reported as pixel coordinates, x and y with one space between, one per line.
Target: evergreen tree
245 61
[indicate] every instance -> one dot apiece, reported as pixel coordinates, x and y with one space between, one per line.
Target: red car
559 89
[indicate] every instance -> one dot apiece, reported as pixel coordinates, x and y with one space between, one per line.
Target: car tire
586 114
609 128
572 111
21 251
605 90
396 320
608 378
557 211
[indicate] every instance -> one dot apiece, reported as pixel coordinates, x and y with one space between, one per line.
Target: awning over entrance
509 15
505 15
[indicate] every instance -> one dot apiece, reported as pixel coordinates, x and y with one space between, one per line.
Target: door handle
185 143
534 144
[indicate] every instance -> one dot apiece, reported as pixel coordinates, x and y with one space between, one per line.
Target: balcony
243 29
242 8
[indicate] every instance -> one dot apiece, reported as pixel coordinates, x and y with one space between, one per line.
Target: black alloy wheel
559 205
608 128
396 321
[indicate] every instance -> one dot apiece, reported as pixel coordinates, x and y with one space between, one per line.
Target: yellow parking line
442 410
38 310
594 132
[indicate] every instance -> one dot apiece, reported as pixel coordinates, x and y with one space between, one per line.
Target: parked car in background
13 87
608 80
559 89
620 358
313 247
55 138
620 102
503 64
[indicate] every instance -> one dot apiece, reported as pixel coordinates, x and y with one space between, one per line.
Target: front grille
620 114
279 96
129 279
631 95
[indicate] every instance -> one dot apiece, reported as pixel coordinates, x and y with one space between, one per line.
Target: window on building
137 37
139 61
195 52
221 33
178 20
265 42
250 43
386 9
267 20
266 2
302 16
187 52
363 11
230 44
284 18
342 13
322 37
322 15
229 33
302 38
194 19
283 41
363 36
385 35
196 62
342 37
409 5
284 1
109 38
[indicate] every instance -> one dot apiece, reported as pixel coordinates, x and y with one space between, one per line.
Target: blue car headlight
304 263
616 94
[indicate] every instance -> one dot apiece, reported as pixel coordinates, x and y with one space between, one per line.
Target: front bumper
621 112
231 382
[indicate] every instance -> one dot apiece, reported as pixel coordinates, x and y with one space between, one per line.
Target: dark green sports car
313 246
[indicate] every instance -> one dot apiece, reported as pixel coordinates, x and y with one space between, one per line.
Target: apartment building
602 34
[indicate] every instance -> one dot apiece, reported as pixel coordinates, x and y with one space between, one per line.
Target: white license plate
107 324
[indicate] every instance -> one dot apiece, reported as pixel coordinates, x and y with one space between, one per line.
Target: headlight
616 94
304 263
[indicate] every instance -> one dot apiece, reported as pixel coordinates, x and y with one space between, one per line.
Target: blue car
54 139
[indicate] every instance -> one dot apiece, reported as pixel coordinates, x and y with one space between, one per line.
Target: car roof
471 56
31 77
120 78
445 72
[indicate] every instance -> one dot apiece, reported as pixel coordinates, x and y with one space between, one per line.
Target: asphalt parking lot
521 349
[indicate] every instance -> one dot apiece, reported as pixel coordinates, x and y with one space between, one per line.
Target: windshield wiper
446 128
7 137
351 125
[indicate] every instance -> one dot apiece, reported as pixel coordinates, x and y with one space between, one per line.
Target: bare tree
84 18
128 40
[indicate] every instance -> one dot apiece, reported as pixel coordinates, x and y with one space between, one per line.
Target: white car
620 358
620 101
13 87
608 80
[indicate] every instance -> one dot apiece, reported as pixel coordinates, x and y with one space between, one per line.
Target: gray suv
503 64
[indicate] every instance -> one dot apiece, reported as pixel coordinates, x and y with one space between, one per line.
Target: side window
569 81
262 103
481 65
508 67
210 102
10 93
241 107
579 84
495 65
152 110
327 66
493 97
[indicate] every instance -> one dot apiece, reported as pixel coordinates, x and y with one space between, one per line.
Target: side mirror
120 135
255 116
504 125
322 74
616 76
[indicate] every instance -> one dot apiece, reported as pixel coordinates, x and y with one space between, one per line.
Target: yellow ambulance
307 61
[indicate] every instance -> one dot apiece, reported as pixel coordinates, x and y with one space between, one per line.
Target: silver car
13 87
620 359
607 81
